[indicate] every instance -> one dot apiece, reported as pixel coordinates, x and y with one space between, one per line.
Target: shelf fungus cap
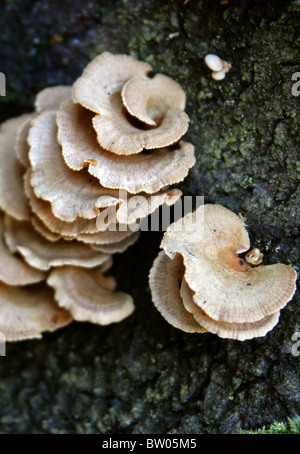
41 254
27 312
237 331
174 299
21 144
13 270
104 76
226 286
47 99
42 209
149 100
143 172
71 194
12 198
119 134
89 295
153 119
51 97
165 279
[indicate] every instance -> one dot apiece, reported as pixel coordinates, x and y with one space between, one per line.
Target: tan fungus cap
121 232
13 270
89 295
150 99
144 172
12 198
99 90
165 280
71 194
118 134
39 253
118 246
238 331
42 209
225 286
41 228
27 312
48 99
104 76
21 144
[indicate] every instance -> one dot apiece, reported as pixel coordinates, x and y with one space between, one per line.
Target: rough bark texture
143 375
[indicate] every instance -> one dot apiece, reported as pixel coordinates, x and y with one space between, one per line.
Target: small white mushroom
218 75
218 66
213 62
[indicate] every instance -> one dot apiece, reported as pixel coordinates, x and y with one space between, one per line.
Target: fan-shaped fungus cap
165 279
43 230
54 229
111 239
13 270
76 194
139 206
40 253
27 312
225 286
99 90
12 198
42 209
117 246
51 97
48 99
109 236
89 295
144 172
104 76
174 299
238 331
121 135
21 144
149 100
71 193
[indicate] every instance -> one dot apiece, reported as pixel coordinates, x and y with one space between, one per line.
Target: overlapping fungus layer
204 279
76 177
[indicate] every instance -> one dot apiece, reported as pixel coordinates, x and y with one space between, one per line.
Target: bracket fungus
213 284
27 312
125 127
89 295
77 176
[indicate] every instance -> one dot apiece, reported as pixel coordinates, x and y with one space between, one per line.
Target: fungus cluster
76 177
205 280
